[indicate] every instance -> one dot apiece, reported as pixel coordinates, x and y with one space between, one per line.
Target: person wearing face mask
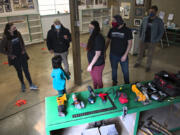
151 32
13 46
95 54
120 39
58 41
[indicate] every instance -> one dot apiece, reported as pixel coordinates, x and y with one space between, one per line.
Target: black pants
22 65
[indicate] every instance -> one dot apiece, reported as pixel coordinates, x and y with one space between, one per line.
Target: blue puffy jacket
59 79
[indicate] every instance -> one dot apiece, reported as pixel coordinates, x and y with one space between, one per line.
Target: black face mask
15 32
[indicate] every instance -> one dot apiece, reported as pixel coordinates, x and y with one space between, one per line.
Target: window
48 7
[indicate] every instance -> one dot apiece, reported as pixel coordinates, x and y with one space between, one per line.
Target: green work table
55 122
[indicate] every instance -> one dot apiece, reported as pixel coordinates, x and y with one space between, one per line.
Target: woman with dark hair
96 48
13 46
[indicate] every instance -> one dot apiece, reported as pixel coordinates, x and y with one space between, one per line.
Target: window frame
55 9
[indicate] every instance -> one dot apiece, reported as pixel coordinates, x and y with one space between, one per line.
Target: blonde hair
57 21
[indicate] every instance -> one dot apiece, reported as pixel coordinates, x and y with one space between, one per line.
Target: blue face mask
91 31
57 27
151 14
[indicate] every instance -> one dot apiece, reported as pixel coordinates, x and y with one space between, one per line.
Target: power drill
61 105
91 98
123 99
102 96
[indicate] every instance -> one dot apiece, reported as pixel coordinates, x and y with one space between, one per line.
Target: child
59 75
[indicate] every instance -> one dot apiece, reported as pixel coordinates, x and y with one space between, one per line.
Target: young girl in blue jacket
59 75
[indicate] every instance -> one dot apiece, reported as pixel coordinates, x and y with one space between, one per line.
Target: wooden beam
74 17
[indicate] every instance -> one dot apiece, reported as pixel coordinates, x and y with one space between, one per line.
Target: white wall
48 20
21 12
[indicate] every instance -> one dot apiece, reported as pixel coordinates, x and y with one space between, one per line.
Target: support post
74 17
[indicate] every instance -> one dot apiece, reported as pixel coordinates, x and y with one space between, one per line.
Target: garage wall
169 6
48 20
130 21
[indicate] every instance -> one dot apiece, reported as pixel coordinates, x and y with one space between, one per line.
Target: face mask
15 31
91 30
57 27
114 24
151 14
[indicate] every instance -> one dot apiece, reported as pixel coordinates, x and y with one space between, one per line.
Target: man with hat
58 41
120 40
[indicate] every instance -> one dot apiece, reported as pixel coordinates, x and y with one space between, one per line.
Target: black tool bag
167 82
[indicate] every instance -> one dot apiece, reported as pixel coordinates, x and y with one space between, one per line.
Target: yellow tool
61 100
140 96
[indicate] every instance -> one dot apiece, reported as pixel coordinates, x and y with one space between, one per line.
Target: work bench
100 111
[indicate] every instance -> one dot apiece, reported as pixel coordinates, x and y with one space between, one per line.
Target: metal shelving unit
29 26
86 15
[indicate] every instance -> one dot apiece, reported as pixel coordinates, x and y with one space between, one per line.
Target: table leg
48 132
136 123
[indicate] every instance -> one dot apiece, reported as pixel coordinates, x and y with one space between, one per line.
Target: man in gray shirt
151 32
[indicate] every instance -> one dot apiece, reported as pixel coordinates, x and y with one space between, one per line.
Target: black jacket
7 49
56 41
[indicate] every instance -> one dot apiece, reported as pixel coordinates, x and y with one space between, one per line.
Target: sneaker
148 69
33 87
136 65
23 87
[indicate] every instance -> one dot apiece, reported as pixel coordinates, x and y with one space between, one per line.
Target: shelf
34 20
35 33
34 42
84 32
36 26
24 23
87 16
105 16
97 17
3 23
25 34
20 23
26 41
86 22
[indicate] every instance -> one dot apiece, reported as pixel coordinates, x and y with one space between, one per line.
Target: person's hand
23 52
12 57
51 51
123 58
65 37
83 45
89 68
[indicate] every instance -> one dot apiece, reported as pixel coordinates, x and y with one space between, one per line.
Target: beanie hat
119 19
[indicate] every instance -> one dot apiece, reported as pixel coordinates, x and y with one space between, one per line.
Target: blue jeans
124 66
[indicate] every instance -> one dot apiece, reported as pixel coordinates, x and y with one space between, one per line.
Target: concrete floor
30 118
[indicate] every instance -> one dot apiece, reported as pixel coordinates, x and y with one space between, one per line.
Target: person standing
13 46
151 32
120 40
95 54
58 75
58 40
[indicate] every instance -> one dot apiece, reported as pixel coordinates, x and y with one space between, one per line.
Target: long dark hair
95 32
6 30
